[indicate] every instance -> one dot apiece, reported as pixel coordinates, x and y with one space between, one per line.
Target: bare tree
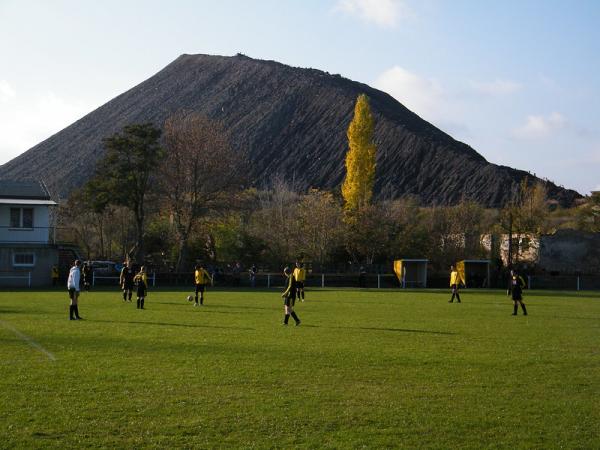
320 224
275 219
198 174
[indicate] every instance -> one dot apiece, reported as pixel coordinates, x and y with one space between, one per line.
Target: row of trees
176 196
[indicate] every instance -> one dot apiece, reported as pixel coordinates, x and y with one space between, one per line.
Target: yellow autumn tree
357 188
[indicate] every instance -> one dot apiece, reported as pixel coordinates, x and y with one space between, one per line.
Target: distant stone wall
525 247
570 251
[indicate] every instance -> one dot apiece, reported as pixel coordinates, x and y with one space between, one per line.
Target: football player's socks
524 309
295 316
130 293
286 319
76 308
142 303
71 311
515 309
124 295
138 303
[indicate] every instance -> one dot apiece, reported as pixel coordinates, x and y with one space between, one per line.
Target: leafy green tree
369 233
588 214
357 188
528 213
125 173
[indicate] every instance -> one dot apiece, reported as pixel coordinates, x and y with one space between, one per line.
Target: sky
516 80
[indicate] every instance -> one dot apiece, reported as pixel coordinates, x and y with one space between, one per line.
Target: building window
23 259
21 218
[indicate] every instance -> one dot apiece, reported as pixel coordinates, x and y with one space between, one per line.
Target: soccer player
252 274
141 279
54 275
126 281
201 278
86 272
73 286
289 297
517 283
454 284
300 277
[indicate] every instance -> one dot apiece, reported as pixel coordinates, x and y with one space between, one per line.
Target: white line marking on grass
28 340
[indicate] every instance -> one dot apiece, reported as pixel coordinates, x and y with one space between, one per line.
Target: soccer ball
190 298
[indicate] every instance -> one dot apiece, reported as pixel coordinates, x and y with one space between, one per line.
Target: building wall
570 251
45 257
565 252
41 224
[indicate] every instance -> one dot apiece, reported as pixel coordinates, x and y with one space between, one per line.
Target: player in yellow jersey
141 280
454 284
300 277
201 278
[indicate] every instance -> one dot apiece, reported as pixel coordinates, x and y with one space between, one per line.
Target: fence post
378 281
28 279
93 278
154 279
577 282
268 280
322 280
528 281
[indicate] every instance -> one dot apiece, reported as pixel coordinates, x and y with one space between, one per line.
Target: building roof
25 201
23 190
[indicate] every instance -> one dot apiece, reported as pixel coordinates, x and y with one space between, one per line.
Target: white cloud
6 91
497 87
384 13
424 96
539 127
29 121
427 98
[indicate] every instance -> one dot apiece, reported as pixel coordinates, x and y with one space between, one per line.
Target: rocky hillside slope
289 121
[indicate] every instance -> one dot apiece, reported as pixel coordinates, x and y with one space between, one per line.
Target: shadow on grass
399 330
166 324
213 305
565 294
15 311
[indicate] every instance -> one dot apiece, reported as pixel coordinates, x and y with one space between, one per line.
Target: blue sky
516 80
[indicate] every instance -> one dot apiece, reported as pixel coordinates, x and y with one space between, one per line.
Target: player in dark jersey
289 297
86 273
517 283
126 281
141 280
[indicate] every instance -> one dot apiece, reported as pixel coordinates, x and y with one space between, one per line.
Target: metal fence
316 280
15 279
564 282
380 281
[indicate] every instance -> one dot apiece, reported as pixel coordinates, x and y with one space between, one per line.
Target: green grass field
366 369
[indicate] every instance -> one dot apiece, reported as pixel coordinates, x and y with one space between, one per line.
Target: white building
27 250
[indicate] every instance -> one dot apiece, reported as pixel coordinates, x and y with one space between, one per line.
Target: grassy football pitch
366 369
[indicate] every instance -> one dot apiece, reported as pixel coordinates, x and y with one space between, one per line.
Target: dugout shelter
474 273
411 272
